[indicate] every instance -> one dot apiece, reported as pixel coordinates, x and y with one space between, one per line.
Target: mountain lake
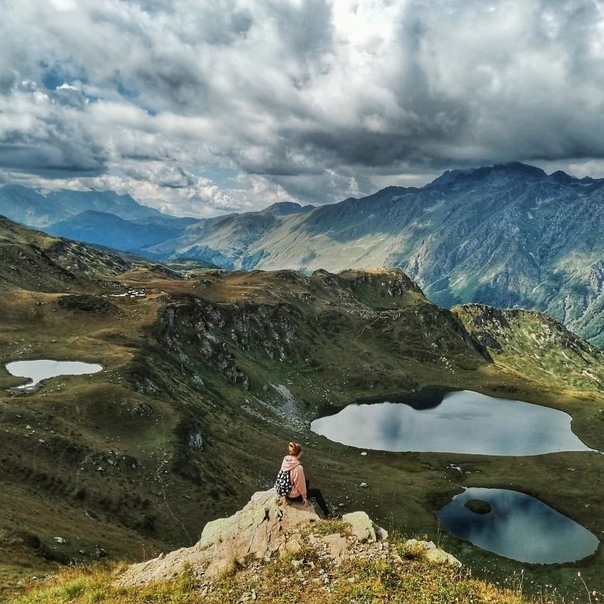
516 526
508 523
44 369
453 422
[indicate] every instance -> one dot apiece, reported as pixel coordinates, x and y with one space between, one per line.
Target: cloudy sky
201 107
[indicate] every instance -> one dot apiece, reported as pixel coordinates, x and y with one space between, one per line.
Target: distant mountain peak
516 167
562 177
284 208
32 208
512 168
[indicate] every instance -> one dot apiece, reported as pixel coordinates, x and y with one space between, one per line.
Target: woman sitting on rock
300 490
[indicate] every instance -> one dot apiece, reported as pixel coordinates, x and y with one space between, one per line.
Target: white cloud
308 100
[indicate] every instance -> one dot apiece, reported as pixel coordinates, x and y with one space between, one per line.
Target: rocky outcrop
269 526
217 333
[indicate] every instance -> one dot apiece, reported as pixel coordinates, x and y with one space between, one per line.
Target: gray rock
267 526
264 527
363 528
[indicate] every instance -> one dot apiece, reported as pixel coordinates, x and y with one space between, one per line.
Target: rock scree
269 526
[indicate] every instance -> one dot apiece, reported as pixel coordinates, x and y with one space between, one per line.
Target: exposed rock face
431 552
285 317
269 526
268 329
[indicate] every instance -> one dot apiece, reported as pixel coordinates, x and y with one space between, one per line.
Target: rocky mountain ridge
506 236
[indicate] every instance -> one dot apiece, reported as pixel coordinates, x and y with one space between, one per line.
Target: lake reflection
43 369
519 527
464 422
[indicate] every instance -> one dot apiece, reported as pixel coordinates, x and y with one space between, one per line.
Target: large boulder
267 526
430 552
363 528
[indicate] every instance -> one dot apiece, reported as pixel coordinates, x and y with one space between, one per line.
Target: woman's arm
299 480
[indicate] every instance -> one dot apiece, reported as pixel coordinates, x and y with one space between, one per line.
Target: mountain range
505 235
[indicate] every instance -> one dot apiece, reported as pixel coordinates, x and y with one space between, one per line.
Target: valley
207 374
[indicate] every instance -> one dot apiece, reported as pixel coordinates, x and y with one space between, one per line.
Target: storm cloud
229 105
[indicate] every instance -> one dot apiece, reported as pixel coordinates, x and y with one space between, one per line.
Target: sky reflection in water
519 527
464 422
44 369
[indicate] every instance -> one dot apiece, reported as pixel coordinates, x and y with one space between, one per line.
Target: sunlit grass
305 576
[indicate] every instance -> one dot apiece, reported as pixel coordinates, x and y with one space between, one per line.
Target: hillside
277 553
207 374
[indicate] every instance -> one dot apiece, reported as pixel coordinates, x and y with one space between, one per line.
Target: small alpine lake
453 422
44 369
516 526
